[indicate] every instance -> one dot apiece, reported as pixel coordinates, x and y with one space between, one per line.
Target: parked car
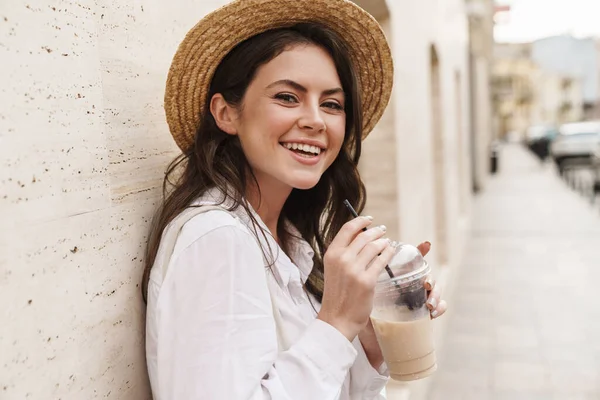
538 139
577 140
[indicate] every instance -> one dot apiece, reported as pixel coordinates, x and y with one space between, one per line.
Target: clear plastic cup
401 318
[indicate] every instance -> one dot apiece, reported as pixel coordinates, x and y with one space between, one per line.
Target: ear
225 115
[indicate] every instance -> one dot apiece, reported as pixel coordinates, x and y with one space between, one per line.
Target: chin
304 184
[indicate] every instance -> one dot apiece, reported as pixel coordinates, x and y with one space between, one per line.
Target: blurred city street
525 317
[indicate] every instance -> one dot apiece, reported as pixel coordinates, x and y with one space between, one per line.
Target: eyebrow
299 87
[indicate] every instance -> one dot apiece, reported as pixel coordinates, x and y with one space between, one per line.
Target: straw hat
211 39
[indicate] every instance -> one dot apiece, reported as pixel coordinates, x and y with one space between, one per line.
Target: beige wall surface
416 27
400 155
83 144
378 165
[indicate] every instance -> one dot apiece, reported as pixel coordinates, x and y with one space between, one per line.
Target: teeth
304 147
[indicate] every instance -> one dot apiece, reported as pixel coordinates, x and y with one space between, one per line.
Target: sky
529 20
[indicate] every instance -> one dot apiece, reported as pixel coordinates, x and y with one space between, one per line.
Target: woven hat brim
211 39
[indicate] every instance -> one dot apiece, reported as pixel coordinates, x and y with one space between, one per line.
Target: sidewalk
524 322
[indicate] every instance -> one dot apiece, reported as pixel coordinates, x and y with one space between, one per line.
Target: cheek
267 124
337 132
280 120
255 128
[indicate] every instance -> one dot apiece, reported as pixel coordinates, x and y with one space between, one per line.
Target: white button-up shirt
210 330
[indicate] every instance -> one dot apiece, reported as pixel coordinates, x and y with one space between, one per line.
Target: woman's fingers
349 231
435 305
429 283
424 248
370 252
433 300
368 240
440 309
377 266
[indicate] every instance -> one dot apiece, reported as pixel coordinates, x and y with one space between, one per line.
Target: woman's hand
436 306
352 263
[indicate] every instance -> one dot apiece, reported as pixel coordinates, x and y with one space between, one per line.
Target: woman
258 281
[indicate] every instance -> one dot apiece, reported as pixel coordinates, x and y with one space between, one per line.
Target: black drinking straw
355 215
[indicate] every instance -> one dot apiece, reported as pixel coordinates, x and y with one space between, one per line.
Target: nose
311 119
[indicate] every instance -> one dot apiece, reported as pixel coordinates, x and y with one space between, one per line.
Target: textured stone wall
83 145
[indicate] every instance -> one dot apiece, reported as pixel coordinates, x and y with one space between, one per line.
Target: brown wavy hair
216 159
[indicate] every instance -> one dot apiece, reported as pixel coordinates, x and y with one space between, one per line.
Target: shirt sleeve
217 336
366 383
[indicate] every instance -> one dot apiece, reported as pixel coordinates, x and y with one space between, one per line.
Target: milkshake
407 347
401 319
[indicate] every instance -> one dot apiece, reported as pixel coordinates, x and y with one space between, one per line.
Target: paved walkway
525 318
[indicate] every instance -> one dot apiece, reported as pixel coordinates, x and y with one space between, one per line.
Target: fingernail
368 217
383 228
428 284
434 313
428 244
432 303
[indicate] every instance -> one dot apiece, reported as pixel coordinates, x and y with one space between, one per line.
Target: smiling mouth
303 150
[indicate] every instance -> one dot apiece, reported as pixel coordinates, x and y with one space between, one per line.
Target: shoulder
212 238
212 225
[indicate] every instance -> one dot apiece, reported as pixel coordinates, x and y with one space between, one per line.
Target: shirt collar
301 253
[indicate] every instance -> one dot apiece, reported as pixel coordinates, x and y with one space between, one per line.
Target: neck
269 202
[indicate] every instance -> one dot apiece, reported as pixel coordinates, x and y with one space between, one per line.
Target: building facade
527 94
430 151
558 99
573 57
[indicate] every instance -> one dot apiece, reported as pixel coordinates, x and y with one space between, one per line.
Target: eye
333 105
286 97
